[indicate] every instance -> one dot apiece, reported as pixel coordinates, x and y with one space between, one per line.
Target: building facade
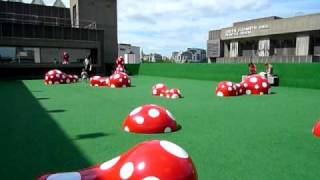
153 57
33 37
193 55
130 53
270 39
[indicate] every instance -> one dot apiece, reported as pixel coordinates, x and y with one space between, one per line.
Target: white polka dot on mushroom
139 119
170 115
174 149
154 113
65 176
220 94
167 130
135 111
126 170
117 76
127 129
159 86
109 164
154 91
151 178
141 166
253 80
248 92
264 84
229 83
175 96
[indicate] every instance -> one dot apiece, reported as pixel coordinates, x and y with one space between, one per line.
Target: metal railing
45 20
269 59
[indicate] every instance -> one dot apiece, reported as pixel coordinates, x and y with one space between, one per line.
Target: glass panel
7 55
25 55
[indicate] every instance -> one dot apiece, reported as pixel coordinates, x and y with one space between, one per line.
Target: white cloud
172 25
166 25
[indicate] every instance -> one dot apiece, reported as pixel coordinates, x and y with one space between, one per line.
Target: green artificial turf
70 127
291 75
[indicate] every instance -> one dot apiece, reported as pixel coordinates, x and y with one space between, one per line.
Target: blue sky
164 26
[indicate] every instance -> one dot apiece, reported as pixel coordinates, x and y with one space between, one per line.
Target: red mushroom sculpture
226 88
256 85
159 90
119 80
173 94
316 129
151 160
98 81
150 119
58 77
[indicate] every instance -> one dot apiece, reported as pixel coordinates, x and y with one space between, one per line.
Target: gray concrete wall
272 27
104 13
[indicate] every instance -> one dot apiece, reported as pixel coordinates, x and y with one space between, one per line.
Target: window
7 55
74 15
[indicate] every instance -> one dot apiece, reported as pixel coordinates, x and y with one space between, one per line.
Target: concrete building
270 39
194 55
34 36
153 57
130 53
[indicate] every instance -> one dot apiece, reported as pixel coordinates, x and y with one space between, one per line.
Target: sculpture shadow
57 111
32 143
40 99
91 136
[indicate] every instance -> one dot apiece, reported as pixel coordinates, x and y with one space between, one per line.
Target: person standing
65 58
252 69
87 65
269 68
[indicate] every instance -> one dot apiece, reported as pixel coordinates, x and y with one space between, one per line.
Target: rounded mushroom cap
119 80
173 94
159 89
241 89
120 61
226 88
120 68
98 81
54 77
256 85
316 129
150 160
150 119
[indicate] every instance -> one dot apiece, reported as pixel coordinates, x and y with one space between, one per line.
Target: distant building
59 3
131 54
194 55
153 57
269 39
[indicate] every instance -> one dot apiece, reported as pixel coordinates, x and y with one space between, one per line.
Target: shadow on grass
91 136
31 142
56 111
39 99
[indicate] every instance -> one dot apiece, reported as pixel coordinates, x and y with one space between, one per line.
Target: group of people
253 68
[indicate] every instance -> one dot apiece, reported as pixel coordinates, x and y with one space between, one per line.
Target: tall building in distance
33 37
192 55
131 54
270 39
